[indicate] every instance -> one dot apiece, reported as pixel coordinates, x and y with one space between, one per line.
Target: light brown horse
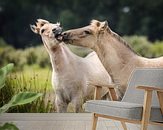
73 77
116 55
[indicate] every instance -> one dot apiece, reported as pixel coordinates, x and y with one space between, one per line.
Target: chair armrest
111 91
147 88
110 86
106 85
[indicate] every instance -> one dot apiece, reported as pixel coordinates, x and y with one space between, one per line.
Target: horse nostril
65 34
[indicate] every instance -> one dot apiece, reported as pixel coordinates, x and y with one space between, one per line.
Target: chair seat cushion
125 110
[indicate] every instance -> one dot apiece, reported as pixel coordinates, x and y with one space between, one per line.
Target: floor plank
57 121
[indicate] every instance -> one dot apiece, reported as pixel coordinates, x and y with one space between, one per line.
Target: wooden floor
57 121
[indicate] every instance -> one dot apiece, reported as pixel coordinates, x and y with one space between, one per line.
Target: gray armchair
141 104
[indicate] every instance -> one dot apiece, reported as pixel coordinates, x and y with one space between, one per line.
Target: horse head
48 32
87 36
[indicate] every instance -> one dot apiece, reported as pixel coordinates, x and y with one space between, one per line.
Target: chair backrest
143 77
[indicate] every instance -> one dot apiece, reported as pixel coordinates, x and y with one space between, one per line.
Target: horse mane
115 35
121 40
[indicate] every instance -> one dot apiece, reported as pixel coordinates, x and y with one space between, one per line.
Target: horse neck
114 55
61 58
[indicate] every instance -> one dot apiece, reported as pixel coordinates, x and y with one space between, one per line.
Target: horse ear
58 23
34 29
42 21
103 25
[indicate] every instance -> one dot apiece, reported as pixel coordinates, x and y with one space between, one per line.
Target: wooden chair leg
146 109
94 121
160 98
124 125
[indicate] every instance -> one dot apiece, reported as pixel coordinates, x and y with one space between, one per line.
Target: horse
118 58
73 77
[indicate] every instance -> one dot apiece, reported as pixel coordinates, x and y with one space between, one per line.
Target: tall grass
38 81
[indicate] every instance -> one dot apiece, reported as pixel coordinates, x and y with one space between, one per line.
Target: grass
32 79
41 77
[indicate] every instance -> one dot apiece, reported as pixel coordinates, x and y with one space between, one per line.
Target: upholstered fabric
125 110
151 77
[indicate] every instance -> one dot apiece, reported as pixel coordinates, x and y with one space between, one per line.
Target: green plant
8 126
34 79
3 74
18 99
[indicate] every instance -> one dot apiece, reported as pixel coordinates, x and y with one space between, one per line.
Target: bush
144 47
31 55
18 58
38 55
157 49
80 51
2 42
140 44
43 59
5 53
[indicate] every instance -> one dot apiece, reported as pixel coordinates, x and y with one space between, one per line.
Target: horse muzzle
58 33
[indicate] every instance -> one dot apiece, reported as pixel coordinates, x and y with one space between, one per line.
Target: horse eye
42 24
87 32
42 31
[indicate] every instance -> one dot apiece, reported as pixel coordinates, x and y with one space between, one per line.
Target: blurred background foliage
38 56
126 17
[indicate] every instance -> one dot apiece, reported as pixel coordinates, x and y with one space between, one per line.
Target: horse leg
77 107
61 105
77 102
60 102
